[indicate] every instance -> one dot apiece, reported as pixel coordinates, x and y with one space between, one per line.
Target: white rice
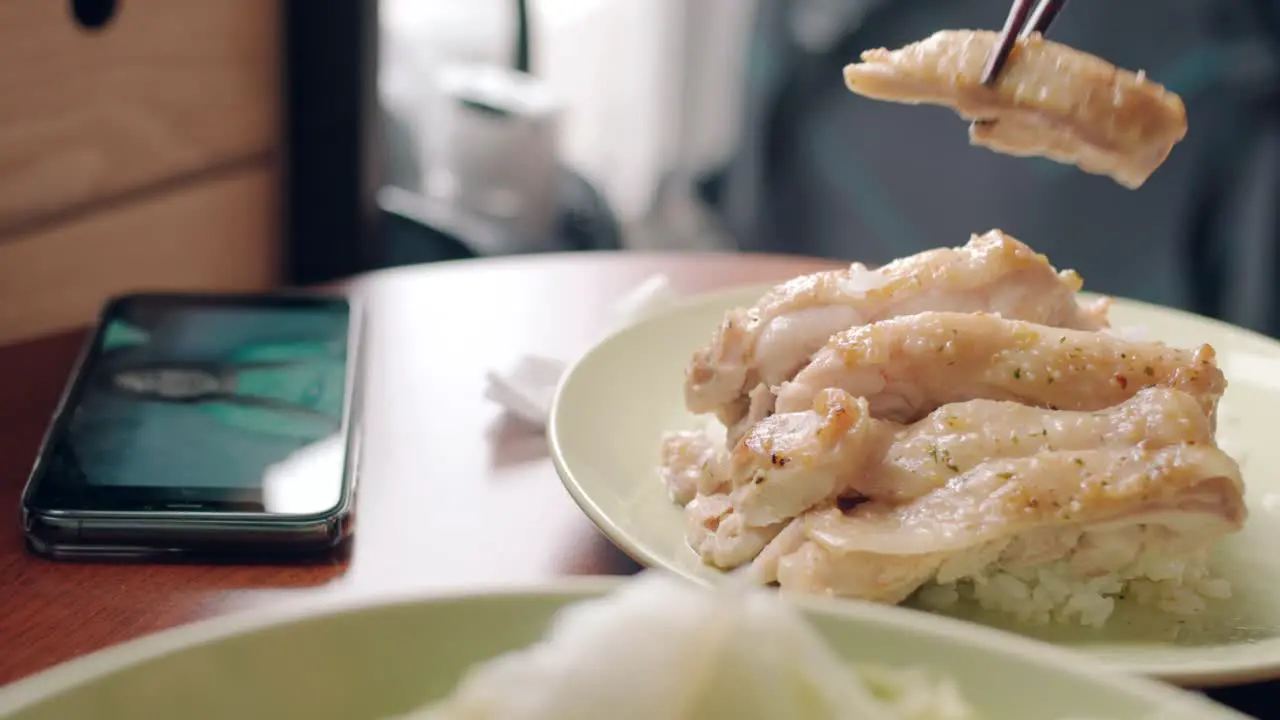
1057 592
663 648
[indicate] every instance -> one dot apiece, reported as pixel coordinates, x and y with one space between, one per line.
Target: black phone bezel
176 519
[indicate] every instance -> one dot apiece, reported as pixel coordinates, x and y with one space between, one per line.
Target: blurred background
724 124
182 144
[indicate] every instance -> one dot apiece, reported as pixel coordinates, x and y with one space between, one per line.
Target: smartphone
203 424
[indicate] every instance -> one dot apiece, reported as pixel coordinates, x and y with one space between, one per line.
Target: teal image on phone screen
210 396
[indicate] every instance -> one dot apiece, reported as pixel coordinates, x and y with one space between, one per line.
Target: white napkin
525 390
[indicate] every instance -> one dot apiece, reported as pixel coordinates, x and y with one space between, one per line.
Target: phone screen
206 404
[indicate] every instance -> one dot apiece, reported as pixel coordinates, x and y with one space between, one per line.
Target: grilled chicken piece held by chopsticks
1050 100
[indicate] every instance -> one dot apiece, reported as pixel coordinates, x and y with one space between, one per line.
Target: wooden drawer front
218 234
168 88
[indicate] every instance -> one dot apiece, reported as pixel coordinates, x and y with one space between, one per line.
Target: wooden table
453 494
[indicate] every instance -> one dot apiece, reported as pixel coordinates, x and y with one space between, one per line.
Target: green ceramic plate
615 403
379 660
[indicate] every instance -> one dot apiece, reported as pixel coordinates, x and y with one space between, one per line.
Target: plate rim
49 683
45 684
1200 673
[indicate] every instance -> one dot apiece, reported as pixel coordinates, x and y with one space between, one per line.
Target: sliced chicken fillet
769 342
1050 100
760 404
792 462
907 367
719 536
691 463
814 570
1010 513
1003 497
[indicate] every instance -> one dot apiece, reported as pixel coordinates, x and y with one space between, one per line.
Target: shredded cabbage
662 648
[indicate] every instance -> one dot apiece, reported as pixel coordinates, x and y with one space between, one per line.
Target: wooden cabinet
142 155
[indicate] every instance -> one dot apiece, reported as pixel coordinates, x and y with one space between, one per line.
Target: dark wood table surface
453 493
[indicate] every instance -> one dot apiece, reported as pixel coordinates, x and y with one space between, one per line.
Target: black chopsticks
1022 21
